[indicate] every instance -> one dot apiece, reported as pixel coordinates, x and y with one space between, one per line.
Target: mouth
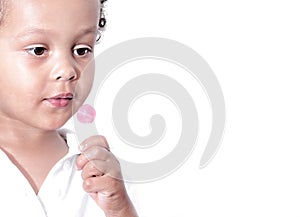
60 100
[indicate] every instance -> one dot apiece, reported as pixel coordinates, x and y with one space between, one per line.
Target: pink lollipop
86 114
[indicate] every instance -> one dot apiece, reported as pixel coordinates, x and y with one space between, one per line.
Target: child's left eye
82 51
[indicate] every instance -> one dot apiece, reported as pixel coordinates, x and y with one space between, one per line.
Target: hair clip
102 22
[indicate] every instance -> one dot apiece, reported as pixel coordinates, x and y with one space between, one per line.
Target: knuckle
90 167
98 138
88 185
96 150
103 140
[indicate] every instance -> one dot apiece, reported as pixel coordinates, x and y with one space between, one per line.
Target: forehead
56 15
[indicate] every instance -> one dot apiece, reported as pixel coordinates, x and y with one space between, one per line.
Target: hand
102 178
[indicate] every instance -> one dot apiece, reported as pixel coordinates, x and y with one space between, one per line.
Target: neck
14 136
33 151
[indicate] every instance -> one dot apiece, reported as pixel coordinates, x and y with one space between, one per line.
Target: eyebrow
89 30
35 30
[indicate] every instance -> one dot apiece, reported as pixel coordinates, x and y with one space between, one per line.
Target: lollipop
86 114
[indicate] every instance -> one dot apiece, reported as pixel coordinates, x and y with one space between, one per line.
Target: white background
253 47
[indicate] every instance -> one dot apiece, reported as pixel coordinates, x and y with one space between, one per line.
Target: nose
65 70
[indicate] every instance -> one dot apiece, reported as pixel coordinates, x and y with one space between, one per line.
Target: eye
37 51
82 50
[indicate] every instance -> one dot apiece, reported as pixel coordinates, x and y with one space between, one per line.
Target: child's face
45 46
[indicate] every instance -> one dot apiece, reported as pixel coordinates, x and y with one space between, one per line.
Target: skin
47 50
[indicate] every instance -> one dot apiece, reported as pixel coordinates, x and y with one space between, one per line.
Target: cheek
28 87
86 79
27 75
83 86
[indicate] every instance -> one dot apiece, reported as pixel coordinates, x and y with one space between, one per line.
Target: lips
60 100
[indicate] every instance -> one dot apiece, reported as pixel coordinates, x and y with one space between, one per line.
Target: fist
102 178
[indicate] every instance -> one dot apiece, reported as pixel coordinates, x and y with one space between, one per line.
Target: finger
101 184
93 169
111 168
93 153
94 141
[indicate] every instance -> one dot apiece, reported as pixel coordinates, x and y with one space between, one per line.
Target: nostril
65 78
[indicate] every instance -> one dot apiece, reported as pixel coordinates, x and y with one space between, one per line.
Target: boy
45 60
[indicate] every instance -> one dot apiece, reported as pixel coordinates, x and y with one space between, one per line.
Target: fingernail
102 195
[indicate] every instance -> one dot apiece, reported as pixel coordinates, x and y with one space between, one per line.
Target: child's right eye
36 51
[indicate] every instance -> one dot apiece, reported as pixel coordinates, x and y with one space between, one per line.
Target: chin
53 127
55 124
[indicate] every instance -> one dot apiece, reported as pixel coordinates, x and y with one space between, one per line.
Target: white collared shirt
61 194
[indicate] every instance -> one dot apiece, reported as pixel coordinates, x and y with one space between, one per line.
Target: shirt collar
72 141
